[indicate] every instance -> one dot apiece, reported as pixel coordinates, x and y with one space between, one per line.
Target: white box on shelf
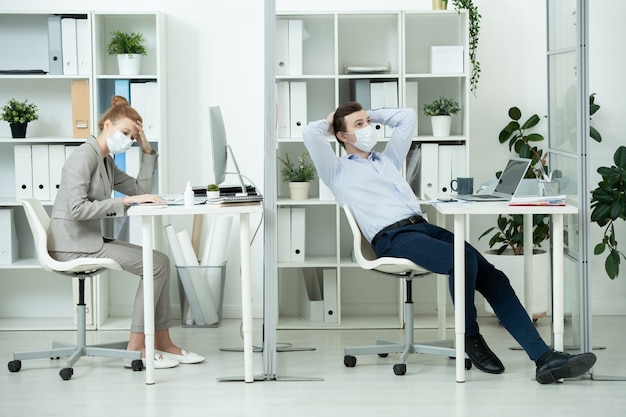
8 237
283 227
298 227
330 298
297 108
446 59
283 130
41 172
23 172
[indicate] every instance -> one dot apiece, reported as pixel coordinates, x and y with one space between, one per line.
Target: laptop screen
512 175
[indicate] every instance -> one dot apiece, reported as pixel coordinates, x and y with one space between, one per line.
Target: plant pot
440 4
18 130
129 64
299 190
212 194
441 125
513 267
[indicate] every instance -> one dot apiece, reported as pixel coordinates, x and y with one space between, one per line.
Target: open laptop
508 183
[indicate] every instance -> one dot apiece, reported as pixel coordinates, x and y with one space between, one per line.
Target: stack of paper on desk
555 200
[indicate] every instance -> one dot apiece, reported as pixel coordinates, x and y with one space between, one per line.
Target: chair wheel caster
399 369
137 365
66 373
468 364
383 355
349 361
14 366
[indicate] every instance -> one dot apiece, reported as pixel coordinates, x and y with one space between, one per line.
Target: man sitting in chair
384 205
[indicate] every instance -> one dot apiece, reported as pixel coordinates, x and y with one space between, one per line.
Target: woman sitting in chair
84 198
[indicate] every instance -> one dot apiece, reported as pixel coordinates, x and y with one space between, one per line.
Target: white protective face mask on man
365 138
118 143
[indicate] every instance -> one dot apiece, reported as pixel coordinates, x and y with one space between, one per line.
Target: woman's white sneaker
186 357
160 362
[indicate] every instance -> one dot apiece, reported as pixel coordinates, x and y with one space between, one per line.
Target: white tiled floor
101 387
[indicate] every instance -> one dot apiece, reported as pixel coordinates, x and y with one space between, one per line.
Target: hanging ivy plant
474 32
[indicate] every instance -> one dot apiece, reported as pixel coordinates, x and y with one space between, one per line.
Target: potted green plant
19 114
507 237
129 48
441 111
212 191
608 203
297 175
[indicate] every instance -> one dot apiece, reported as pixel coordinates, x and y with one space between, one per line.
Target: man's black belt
409 220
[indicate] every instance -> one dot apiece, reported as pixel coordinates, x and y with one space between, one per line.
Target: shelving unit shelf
31 298
322 60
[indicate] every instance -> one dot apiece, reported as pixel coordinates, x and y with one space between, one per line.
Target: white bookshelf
332 41
31 298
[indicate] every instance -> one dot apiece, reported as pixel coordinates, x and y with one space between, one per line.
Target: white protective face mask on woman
365 138
118 143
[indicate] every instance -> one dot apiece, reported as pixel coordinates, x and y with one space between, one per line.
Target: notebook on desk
507 185
235 199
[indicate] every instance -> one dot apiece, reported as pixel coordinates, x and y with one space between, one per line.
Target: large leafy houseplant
522 140
608 203
509 231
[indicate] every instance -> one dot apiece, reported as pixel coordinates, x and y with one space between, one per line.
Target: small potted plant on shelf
441 112
18 114
212 191
129 47
298 176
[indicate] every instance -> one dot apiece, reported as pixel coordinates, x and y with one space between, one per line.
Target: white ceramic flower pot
513 267
441 125
129 64
299 190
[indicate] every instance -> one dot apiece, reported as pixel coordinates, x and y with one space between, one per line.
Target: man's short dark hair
339 121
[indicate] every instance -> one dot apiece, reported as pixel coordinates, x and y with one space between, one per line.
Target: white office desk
459 211
243 210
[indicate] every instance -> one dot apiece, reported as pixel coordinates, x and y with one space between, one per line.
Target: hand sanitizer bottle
189 196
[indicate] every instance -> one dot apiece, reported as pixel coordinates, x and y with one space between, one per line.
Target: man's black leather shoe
553 366
481 356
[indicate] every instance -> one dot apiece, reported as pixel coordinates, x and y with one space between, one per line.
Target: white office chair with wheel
81 268
402 268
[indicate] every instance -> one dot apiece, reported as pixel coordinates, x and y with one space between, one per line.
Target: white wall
215 57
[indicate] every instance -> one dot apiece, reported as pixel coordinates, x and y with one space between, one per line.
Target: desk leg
246 294
148 297
442 286
459 294
528 265
557 281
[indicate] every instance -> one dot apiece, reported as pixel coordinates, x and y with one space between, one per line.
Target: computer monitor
220 149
